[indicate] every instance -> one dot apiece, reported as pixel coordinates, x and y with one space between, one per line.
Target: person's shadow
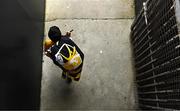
67 95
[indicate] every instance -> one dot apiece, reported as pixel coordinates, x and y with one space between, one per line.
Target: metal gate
156 48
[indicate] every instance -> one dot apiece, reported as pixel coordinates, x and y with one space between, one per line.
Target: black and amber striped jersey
67 55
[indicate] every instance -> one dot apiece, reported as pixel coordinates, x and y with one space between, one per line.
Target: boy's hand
69 33
47 53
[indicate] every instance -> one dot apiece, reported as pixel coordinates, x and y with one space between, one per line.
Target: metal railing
155 38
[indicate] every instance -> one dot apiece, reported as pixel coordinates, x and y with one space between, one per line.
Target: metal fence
156 48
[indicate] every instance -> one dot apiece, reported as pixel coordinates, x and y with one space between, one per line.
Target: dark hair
54 33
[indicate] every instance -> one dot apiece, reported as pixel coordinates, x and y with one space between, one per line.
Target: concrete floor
107 77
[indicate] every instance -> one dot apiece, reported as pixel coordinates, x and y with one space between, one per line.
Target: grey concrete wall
101 30
21 55
33 9
178 13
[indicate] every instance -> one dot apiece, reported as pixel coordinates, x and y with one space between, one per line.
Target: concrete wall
178 13
101 30
21 54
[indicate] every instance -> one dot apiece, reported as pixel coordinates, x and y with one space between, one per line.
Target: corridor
101 30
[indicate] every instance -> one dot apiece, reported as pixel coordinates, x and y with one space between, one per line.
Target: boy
64 53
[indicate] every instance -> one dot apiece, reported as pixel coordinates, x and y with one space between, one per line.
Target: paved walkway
101 30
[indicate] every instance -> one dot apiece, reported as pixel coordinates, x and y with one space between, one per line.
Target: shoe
63 75
69 80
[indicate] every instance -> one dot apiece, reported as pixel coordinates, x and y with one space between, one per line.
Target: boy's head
54 33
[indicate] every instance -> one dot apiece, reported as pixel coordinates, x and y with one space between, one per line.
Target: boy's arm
68 34
47 53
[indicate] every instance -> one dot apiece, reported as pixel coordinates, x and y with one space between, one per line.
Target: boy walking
64 53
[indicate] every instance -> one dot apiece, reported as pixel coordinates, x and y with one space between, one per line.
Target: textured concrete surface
89 9
107 77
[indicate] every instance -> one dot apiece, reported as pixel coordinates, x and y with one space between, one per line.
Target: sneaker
63 75
69 80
